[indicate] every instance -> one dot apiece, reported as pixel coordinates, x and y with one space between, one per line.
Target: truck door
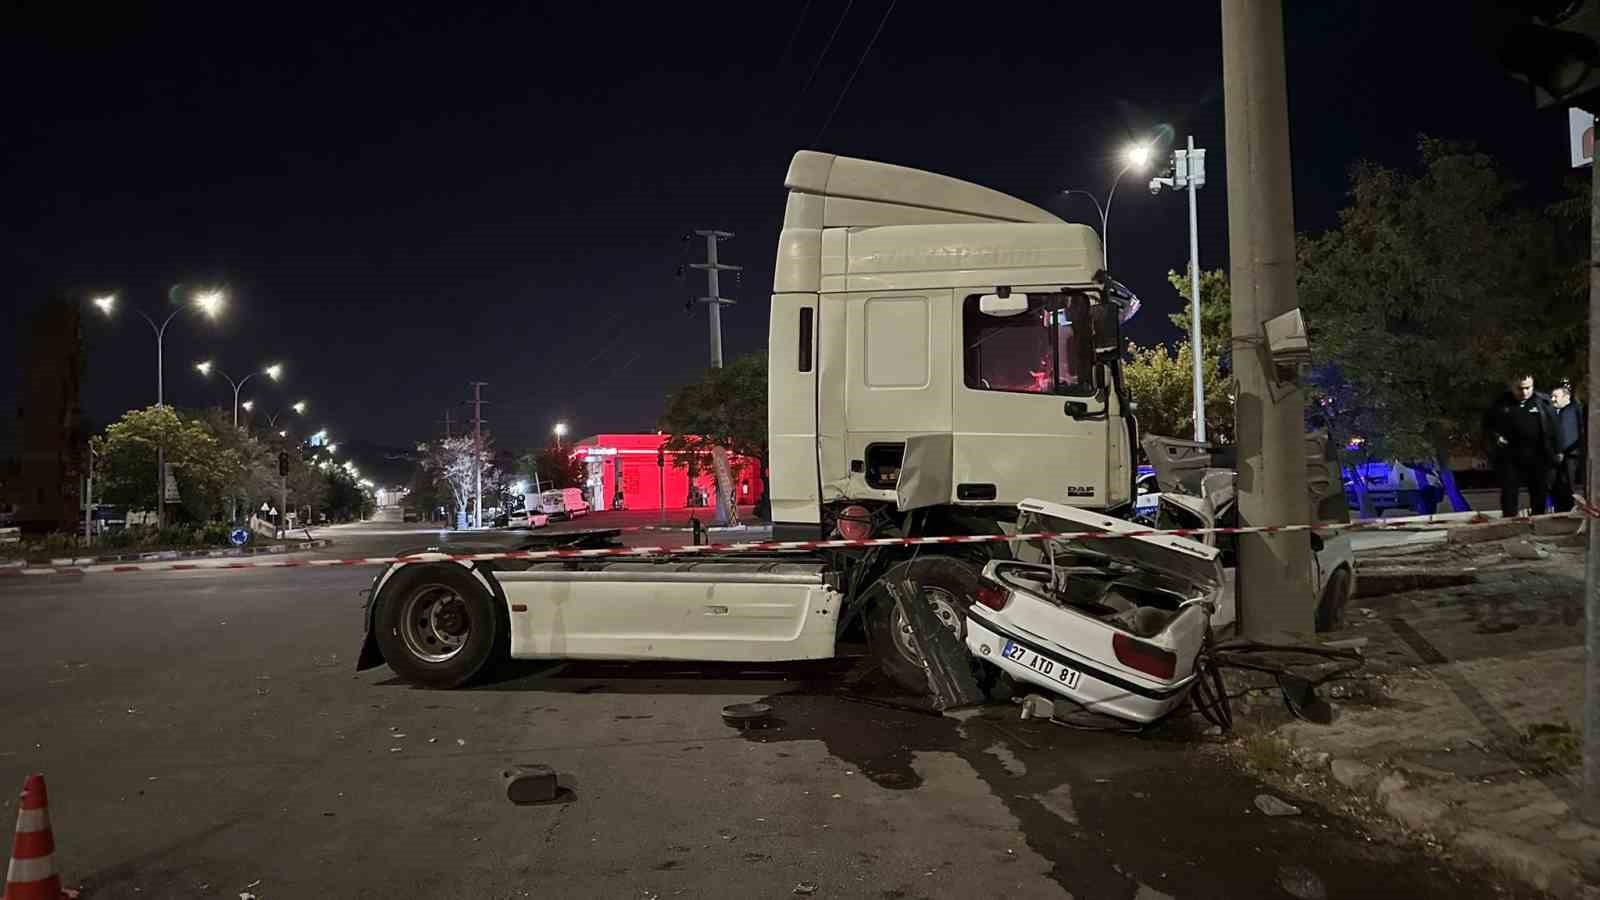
1029 421
792 410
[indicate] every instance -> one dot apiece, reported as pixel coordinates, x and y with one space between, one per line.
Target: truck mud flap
944 658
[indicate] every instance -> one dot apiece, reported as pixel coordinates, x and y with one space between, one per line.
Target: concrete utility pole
1275 595
714 297
477 453
1589 802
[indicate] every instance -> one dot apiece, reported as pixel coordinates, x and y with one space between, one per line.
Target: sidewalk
1465 725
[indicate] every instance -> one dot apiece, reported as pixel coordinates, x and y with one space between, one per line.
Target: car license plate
1066 676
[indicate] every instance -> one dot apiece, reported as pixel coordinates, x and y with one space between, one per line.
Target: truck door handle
1076 409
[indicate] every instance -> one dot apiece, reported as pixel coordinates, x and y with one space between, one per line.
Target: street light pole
1189 172
1135 157
207 302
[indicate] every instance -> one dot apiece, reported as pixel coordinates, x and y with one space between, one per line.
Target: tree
254 467
454 463
553 467
1216 312
1161 384
725 412
1432 290
204 470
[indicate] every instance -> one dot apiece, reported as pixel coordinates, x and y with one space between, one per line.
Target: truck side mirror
1003 305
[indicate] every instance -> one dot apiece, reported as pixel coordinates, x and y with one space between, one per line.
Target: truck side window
1046 350
805 338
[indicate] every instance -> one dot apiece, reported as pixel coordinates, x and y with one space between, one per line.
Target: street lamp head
248 405
210 302
332 448
106 303
274 371
283 433
299 407
561 429
204 368
1137 155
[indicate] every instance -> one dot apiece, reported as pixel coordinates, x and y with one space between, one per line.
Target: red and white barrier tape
752 547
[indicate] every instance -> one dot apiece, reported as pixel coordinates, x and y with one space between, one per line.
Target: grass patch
1266 753
1552 745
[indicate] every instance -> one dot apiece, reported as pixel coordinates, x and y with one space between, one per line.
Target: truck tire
438 626
946 583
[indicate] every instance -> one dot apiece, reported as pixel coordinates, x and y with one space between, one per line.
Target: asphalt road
205 735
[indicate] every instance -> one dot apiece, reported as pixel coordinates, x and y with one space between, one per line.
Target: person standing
1569 424
1521 426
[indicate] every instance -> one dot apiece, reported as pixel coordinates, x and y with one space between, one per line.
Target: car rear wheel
1335 598
438 626
946 584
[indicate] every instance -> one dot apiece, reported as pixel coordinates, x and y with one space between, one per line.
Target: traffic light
283 465
1557 50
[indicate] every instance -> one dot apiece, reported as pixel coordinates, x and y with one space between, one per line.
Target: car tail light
854 523
1146 658
992 595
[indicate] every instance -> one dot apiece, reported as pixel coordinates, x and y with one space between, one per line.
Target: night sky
401 199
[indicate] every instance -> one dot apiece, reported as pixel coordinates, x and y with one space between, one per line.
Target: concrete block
1477 534
1350 773
535 783
1522 861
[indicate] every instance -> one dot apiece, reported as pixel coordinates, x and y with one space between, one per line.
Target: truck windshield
1047 350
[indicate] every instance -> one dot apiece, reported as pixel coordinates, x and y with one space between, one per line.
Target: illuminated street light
1134 156
331 448
274 371
205 369
299 407
283 434
561 429
248 405
210 302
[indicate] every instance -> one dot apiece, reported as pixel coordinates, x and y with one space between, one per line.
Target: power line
816 66
853 73
793 34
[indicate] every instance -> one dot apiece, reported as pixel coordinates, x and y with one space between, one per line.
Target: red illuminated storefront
631 462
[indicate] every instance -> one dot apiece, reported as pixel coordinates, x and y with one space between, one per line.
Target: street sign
239 536
171 486
1580 137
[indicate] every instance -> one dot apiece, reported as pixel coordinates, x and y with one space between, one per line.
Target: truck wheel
438 626
947 584
1335 597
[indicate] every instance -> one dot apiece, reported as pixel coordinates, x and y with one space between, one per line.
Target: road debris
530 783
805 888
1272 806
747 715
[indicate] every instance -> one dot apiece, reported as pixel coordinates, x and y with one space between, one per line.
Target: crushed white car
1114 625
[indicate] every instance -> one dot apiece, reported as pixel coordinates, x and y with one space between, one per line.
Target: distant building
46 489
625 466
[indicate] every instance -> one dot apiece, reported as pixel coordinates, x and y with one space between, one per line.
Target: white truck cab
936 346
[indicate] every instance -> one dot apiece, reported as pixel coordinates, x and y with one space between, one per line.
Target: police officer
1521 426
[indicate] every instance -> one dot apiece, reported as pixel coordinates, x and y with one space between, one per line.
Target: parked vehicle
1392 485
523 518
943 360
409 515
561 503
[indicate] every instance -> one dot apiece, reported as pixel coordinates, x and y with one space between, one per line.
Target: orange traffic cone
32 873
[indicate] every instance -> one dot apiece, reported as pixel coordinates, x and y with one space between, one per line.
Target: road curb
1419 814
167 555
